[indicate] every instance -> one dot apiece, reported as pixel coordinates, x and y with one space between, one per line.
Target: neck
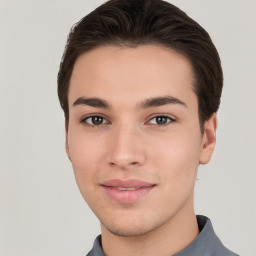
169 239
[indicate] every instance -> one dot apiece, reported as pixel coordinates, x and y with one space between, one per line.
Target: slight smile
127 191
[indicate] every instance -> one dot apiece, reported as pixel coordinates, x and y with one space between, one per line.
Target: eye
161 120
94 120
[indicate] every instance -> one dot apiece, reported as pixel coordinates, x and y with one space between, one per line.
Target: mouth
127 191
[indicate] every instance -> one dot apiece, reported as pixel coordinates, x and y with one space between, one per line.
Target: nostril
123 165
132 163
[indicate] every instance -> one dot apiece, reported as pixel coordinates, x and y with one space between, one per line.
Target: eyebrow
148 103
160 101
92 102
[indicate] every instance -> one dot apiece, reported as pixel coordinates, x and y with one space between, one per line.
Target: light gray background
41 210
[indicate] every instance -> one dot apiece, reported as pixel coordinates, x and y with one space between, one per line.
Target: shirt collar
206 243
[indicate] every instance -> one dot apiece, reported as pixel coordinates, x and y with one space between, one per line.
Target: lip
127 191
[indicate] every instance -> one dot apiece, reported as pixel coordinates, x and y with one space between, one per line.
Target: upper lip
129 183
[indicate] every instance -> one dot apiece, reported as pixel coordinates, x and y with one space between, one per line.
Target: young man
140 84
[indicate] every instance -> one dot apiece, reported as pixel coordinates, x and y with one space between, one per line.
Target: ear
208 140
66 139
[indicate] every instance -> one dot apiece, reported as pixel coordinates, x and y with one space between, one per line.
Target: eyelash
92 125
171 120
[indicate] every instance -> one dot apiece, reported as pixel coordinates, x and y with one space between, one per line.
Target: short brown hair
133 23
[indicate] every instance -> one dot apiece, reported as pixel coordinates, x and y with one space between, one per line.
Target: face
134 137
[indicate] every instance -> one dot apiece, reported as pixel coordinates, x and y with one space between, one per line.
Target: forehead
124 73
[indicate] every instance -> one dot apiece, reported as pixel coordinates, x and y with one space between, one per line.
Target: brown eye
161 120
94 120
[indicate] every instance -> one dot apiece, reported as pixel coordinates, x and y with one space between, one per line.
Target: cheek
178 157
177 164
85 149
85 155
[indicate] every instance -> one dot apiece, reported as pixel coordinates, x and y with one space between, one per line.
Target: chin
130 228
128 232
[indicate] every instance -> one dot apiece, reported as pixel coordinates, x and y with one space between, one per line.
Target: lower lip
127 196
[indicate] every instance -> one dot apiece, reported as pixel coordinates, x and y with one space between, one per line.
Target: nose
126 150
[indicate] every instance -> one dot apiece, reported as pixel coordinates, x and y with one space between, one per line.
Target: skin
130 144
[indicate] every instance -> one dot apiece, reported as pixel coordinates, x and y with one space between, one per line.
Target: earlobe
208 140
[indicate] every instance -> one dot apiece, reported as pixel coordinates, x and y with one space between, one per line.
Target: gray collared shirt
206 244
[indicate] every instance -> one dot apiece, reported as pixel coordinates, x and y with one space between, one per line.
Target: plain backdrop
41 210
